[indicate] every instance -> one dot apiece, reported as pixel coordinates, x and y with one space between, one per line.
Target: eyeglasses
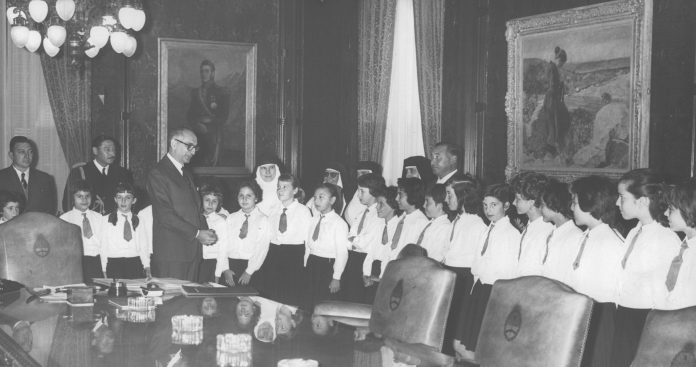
189 146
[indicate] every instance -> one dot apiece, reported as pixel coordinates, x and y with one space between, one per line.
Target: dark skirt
237 266
600 336
319 273
283 272
352 286
471 315
91 268
628 326
125 268
206 272
462 287
371 291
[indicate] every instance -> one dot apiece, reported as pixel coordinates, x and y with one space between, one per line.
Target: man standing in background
38 188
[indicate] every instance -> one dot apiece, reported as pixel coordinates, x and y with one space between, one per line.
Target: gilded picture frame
210 88
578 98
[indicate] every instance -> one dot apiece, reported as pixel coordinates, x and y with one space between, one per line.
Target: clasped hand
207 237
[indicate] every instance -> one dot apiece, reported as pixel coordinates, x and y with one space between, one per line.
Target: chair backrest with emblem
39 249
668 339
533 321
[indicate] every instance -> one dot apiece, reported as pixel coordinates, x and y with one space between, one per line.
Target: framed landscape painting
210 88
578 98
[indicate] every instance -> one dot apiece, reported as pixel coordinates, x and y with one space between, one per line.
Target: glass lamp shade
133 45
119 41
11 14
38 10
65 9
92 51
50 49
20 35
34 41
56 34
125 16
99 35
138 21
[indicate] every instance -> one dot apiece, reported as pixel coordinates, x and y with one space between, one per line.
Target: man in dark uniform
101 174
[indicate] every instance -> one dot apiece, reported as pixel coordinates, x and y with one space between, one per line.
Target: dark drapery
376 41
429 22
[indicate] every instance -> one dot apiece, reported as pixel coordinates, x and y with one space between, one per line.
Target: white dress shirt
216 222
332 242
254 247
100 167
532 246
642 283
684 293
436 237
380 251
298 219
354 210
179 166
411 230
446 177
500 259
462 249
91 246
371 230
114 245
563 249
597 272
19 174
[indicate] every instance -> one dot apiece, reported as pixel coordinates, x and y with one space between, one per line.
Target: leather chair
533 321
409 312
38 249
668 339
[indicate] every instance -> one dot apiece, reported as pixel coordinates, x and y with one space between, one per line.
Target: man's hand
335 285
229 277
244 279
206 237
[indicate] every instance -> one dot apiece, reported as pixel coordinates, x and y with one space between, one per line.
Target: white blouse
499 261
254 247
331 243
298 219
91 246
466 233
532 247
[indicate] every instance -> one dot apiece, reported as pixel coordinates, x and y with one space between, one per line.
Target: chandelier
76 24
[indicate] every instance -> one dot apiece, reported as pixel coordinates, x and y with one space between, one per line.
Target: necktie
524 233
104 171
283 224
397 233
630 248
245 227
674 268
315 235
546 254
454 223
362 221
86 227
420 238
488 236
576 263
127 231
385 234
25 186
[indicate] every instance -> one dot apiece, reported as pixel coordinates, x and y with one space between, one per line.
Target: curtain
376 27
429 24
69 92
404 137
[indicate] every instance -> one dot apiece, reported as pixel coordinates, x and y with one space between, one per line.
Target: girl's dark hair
530 185
596 195
335 192
390 194
7 197
644 182
81 185
438 193
373 182
210 189
500 191
468 196
414 189
295 182
124 187
254 187
557 197
683 197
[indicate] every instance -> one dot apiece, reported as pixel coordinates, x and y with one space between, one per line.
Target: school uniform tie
245 227
385 234
420 238
546 254
524 233
454 223
576 263
127 231
397 233
25 186
315 235
676 265
283 224
630 248
362 221
488 236
86 227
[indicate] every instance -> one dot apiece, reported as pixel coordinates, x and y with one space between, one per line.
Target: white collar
446 177
179 166
19 173
100 167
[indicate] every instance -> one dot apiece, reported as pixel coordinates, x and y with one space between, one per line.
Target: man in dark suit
38 188
179 228
444 159
101 174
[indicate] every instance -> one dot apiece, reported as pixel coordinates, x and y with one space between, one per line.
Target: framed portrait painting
578 98
210 88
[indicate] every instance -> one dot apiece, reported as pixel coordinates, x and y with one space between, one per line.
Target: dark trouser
125 268
206 272
184 270
628 326
352 286
91 268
